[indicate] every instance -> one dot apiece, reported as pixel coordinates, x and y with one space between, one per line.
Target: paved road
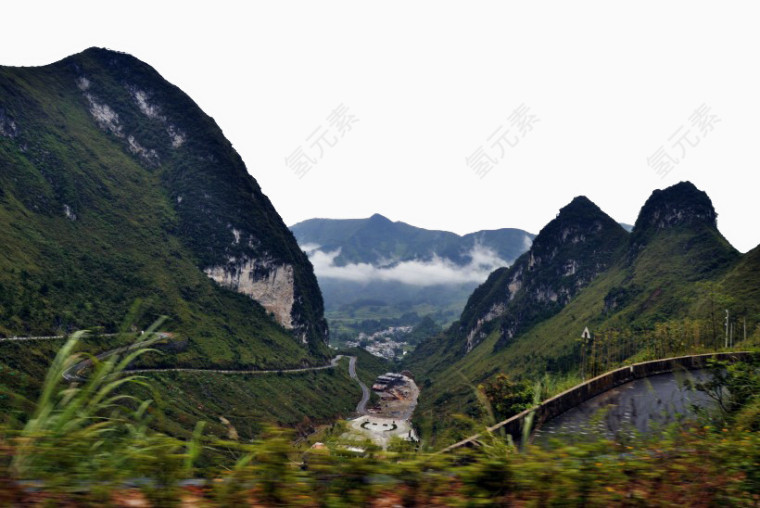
642 405
73 372
361 407
333 363
22 339
50 337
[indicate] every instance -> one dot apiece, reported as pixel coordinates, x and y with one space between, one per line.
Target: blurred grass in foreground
89 442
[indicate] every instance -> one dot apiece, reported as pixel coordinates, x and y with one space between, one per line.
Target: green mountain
742 284
660 290
567 255
381 242
114 188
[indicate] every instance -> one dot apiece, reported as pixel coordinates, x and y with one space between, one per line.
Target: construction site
397 396
389 417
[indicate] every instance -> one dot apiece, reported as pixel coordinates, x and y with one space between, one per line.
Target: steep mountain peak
379 219
86 130
575 223
109 59
568 253
98 51
679 223
679 205
580 202
580 207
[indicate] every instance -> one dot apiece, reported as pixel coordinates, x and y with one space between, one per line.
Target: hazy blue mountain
399 269
627 227
381 242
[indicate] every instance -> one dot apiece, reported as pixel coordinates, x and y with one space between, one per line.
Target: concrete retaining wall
568 399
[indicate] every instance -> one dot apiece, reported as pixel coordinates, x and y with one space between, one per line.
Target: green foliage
89 225
302 400
734 387
507 397
423 330
92 431
664 294
349 312
270 471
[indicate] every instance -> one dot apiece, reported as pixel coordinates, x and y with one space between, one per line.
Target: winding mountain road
46 337
333 363
361 407
73 372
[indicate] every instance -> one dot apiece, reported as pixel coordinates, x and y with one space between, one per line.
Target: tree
507 397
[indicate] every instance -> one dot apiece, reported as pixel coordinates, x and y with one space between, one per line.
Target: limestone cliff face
270 284
580 243
236 235
8 127
475 335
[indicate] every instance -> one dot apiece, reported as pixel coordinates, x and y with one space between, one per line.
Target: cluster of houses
388 343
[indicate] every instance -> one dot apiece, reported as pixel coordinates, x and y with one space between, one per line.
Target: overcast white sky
607 85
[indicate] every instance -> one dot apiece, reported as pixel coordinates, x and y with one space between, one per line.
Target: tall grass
92 431
84 440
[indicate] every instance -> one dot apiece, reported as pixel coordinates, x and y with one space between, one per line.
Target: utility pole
583 358
726 341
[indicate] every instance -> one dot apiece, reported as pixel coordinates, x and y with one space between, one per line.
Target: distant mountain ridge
377 268
379 241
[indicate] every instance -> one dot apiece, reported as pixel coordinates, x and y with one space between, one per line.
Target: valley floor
391 417
381 430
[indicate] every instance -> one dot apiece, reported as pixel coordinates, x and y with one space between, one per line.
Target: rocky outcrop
569 253
8 127
108 119
270 284
222 215
679 205
475 335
